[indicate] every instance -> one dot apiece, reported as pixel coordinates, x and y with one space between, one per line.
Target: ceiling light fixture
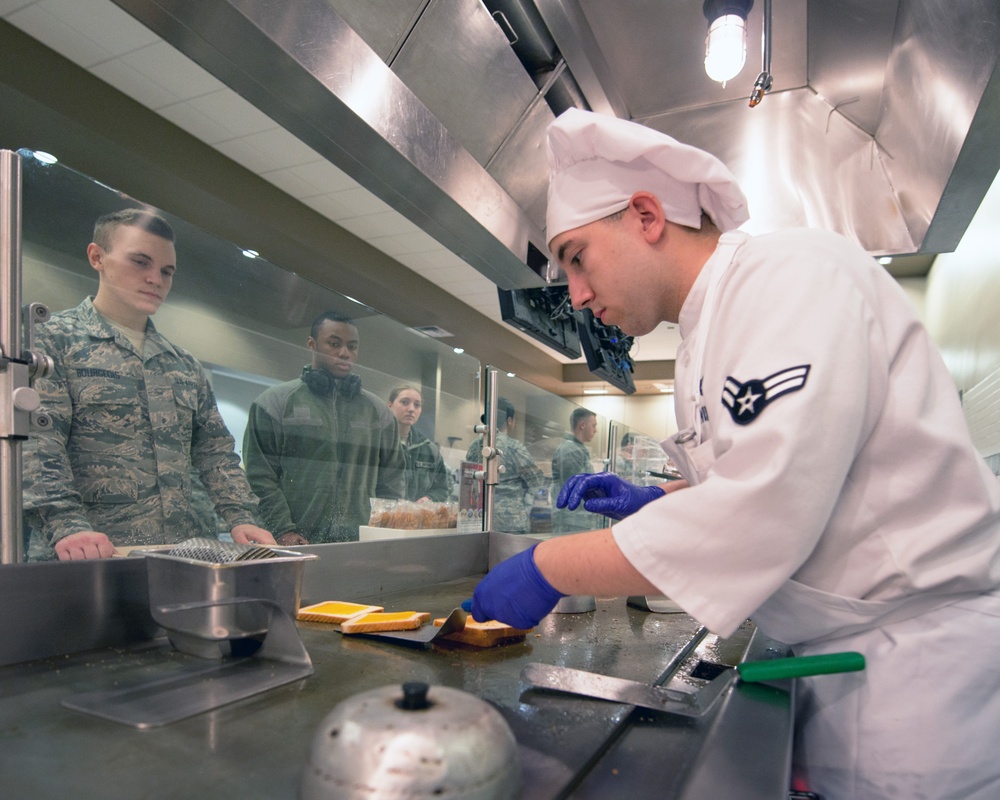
595 391
726 44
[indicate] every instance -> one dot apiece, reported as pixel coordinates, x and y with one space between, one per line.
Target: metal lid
412 742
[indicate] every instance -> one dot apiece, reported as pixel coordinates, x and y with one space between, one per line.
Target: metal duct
882 122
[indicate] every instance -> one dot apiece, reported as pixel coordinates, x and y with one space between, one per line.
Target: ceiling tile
331 206
414 242
202 127
232 113
176 73
359 202
7 6
370 226
290 182
321 177
63 38
267 151
134 84
109 27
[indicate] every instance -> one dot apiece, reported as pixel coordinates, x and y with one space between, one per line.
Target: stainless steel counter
256 748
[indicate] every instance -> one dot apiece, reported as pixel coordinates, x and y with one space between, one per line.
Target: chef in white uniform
832 491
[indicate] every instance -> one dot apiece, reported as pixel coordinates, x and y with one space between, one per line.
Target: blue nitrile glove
514 592
607 494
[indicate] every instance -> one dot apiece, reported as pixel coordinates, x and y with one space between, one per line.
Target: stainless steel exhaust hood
882 123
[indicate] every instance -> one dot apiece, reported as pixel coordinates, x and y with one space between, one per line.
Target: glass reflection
552 439
244 328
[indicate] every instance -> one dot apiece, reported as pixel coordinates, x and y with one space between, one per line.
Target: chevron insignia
746 401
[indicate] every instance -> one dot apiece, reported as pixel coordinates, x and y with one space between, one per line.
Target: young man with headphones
317 448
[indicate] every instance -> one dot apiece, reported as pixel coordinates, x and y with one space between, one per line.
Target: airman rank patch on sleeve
747 400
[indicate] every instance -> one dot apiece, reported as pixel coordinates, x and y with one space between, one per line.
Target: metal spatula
675 701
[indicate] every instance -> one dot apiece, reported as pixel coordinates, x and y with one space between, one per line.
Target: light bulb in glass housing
726 48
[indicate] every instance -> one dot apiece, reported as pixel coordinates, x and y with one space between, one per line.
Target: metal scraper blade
618 690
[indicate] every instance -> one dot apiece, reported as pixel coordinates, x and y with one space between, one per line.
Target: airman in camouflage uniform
132 416
520 479
573 458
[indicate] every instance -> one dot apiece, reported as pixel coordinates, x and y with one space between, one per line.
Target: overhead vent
531 41
433 331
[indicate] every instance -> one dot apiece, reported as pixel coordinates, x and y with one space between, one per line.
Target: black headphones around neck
323 384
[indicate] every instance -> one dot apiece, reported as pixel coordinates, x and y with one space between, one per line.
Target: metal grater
218 552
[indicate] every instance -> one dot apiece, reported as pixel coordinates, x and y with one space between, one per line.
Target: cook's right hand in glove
607 494
515 592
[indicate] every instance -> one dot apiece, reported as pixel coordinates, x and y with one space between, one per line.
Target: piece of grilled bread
334 611
385 621
484 634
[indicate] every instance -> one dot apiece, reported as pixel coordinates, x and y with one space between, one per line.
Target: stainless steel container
175 581
412 742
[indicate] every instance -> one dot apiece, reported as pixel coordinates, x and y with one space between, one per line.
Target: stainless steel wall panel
896 110
460 65
383 24
800 164
518 165
849 45
53 608
944 55
306 68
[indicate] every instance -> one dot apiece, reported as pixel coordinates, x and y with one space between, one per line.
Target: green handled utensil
692 703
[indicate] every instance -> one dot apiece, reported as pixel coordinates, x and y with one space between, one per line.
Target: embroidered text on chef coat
746 400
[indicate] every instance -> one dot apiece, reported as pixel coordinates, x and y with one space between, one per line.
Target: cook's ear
94 255
650 211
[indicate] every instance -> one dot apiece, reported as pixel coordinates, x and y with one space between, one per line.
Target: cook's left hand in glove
605 493
515 592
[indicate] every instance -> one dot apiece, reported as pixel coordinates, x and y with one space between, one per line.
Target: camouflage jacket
315 462
571 458
426 473
127 432
517 485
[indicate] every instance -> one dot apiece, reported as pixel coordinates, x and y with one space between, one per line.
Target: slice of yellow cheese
335 611
385 621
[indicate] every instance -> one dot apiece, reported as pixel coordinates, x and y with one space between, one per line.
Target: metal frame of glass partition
11 532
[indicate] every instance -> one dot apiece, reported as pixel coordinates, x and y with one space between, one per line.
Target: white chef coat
837 499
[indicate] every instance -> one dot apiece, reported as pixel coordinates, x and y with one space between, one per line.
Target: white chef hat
597 162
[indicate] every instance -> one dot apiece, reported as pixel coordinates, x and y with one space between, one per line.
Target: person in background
317 448
883 538
573 458
625 447
134 421
521 477
427 477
